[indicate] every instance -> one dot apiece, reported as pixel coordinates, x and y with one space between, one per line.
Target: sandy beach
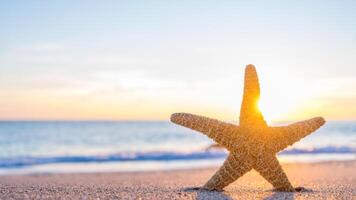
327 180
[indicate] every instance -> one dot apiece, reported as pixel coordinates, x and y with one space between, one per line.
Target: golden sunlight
282 98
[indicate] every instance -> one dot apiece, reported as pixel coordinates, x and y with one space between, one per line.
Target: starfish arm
288 135
249 113
225 134
268 166
235 165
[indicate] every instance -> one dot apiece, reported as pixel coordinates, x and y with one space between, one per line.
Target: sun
281 99
274 110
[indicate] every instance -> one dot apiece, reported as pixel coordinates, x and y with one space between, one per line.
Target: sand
329 180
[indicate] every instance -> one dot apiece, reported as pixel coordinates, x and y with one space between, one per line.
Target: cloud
202 77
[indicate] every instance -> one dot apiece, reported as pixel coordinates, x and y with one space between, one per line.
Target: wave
154 156
128 156
321 150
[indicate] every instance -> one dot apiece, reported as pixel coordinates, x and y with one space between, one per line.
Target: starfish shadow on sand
207 194
281 195
286 195
220 194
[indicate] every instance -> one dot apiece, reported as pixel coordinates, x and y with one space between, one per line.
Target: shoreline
188 168
331 179
144 166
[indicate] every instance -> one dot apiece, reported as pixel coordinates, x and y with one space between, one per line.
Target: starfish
252 144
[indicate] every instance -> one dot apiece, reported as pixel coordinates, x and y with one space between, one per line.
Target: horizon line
144 120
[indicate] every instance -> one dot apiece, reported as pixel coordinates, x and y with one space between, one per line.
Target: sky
143 60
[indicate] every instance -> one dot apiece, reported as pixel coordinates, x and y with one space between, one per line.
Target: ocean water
99 146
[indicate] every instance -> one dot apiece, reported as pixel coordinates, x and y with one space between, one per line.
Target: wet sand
328 180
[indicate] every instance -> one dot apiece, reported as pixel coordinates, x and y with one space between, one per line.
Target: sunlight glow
282 98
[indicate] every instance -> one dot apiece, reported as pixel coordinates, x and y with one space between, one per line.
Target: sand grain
332 180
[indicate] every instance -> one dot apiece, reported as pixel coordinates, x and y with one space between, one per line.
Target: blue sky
146 59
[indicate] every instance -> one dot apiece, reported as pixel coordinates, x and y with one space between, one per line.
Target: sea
31 147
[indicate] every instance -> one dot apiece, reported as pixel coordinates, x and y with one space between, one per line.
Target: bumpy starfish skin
252 144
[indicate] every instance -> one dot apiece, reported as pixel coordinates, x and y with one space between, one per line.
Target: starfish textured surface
252 144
